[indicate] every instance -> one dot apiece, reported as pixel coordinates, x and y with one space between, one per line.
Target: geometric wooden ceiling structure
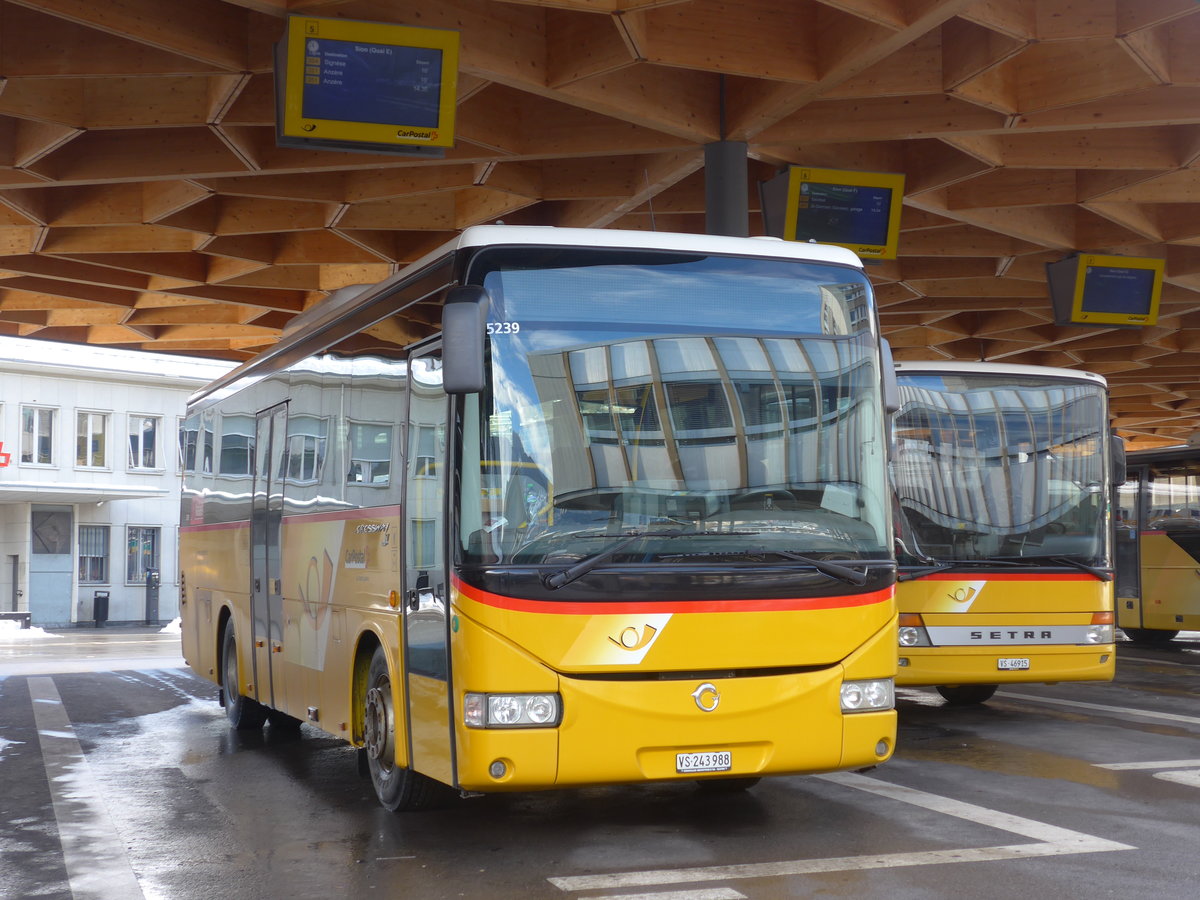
144 203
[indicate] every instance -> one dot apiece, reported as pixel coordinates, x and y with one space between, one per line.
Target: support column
726 202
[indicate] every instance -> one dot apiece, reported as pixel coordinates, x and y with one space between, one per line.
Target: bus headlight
1099 634
912 631
868 696
511 710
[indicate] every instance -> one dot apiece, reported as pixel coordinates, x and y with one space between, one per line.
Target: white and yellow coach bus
1003 476
556 507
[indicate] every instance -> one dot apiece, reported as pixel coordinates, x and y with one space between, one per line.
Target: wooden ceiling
144 204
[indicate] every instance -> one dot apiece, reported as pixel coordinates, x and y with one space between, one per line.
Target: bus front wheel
398 788
244 713
967 694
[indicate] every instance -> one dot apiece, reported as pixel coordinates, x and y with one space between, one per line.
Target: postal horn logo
963 594
632 639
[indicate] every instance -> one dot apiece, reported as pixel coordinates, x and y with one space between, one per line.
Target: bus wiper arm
555 580
825 567
952 564
1102 574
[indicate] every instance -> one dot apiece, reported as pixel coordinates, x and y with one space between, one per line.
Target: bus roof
947 366
543 235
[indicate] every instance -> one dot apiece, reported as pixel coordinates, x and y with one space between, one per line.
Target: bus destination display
385 85
843 213
1113 290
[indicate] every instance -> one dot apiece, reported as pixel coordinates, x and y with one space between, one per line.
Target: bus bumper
981 665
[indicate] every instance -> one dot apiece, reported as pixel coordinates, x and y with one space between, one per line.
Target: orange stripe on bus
609 607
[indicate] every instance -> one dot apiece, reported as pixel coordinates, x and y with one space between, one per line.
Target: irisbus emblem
707 696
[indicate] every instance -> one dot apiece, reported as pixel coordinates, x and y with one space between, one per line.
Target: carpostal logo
416 134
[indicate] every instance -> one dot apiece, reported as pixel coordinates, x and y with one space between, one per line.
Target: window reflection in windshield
734 400
995 466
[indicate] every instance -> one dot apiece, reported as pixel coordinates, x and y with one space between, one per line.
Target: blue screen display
843 213
1107 289
383 84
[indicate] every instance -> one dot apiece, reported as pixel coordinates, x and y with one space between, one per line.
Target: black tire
399 789
726 785
1150 635
244 713
967 694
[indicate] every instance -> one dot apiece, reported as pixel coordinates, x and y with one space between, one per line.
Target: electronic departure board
858 210
368 86
1092 289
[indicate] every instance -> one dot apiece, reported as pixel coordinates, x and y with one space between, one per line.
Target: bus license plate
1010 662
716 761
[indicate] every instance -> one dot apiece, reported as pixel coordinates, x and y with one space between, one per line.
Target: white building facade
90 481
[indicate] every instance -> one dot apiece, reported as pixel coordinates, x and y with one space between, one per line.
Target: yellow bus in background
1002 476
558 507
1158 545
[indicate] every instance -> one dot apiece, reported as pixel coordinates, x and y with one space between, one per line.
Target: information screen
382 84
1115 290
843 213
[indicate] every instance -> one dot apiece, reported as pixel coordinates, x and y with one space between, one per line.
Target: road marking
1123 710
94 855
1163 764
1190 777
1051 841
723 893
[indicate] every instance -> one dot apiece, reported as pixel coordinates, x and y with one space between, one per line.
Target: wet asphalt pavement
119 779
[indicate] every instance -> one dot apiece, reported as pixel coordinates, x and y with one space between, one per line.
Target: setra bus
557 507
1158 544
1002 476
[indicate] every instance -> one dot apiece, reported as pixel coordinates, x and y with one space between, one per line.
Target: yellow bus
1002 476
558 507
1158 545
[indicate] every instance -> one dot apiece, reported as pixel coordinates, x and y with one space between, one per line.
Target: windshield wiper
555 580
952 564
824 566
1102 574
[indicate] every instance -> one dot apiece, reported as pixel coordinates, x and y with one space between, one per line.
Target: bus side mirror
891 387
464 325
1119 474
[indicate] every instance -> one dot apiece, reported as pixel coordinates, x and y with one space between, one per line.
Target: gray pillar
726 205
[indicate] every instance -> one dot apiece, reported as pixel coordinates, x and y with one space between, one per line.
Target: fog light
882 749
497 769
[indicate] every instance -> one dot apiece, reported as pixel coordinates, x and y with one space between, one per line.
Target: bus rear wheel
1150 635
967 694
398 788
244 713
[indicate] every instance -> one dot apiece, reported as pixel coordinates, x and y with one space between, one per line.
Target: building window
237 446
143 442
37 436
142 553
425 452
370 454
305 449
424 546
91 440
93 554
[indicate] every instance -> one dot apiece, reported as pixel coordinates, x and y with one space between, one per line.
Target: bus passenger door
1126 550
426 595
266 511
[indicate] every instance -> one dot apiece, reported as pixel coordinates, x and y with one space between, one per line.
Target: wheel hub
377 724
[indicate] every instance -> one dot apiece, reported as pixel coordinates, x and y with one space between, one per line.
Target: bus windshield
999 467
715 409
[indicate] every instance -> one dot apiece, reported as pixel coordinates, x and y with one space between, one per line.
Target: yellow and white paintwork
339 585
1006 606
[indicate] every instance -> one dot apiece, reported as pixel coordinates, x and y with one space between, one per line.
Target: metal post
726 203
